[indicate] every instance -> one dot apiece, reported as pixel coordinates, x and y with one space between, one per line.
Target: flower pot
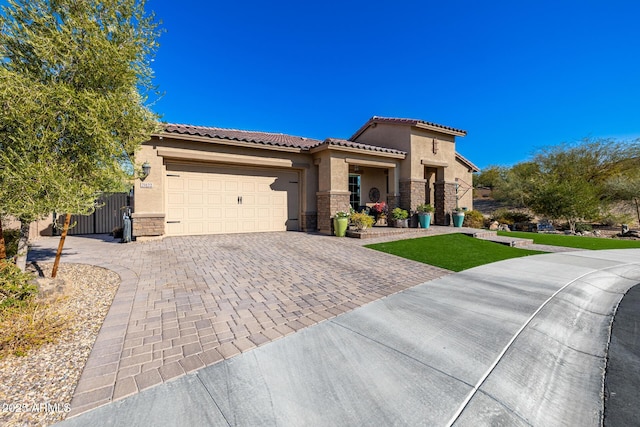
340 226
424 219
458 219
401 223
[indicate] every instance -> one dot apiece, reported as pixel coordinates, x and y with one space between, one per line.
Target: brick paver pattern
189 302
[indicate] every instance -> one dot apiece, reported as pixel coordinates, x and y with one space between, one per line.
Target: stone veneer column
330 202
147 225
393 201
412 193
445 202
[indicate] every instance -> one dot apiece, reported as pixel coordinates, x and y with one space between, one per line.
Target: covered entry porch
352 175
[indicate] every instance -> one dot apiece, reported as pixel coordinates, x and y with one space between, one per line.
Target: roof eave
447 131
229 142
470 165
334 147
419 124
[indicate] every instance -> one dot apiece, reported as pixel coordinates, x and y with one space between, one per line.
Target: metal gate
107 217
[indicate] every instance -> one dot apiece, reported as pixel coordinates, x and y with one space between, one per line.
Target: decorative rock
504 227
494 226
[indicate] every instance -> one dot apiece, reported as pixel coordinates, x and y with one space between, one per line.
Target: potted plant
400 216
361 221
424 214
458 217
340 223
380 211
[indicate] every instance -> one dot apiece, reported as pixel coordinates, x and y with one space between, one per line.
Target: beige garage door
213 200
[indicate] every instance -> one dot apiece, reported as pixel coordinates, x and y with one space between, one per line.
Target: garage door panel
211 200
230 199
230 213
248 200
175 199
176 214
195 214
195 184
195 227
175 184
248 187
175 229
214 199
214 185
195 198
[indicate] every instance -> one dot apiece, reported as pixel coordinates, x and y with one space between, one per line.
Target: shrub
505 216
29 326
426 208
473 219
582 227
11 238
611 219
361 220
399 213
15 286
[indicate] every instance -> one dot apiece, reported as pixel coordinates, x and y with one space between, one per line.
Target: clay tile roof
264 138
351 144
411 122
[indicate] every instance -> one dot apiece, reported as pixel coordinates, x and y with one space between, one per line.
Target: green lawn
454 252
573 241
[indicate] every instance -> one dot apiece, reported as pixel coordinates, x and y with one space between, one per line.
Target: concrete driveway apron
189 302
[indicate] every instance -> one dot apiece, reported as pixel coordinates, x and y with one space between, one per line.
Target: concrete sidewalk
519 342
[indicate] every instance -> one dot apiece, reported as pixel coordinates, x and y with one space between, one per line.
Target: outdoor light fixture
146 168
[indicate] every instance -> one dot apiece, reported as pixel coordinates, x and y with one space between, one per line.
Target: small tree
490 177
626 188
572 180
518 184
74 78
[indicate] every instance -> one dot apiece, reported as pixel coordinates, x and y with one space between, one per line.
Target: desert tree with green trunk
75 81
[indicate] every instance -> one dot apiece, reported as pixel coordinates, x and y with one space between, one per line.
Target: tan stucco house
205 180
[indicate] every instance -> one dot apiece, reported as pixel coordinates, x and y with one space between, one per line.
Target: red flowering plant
380 209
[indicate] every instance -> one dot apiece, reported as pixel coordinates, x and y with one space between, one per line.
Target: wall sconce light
146 168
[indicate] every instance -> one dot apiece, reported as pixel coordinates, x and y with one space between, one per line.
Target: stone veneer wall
445 203
309 221
147 225
412 193
328 204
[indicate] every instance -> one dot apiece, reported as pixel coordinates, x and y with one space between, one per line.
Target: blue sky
515 75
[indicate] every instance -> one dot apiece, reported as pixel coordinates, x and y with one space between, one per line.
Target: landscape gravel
36 389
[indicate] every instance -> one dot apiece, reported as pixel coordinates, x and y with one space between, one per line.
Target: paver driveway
189 302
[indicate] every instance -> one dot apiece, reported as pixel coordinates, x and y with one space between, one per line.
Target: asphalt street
622 383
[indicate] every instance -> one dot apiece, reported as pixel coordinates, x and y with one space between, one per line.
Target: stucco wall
465 182
370 178
423 152
391 136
